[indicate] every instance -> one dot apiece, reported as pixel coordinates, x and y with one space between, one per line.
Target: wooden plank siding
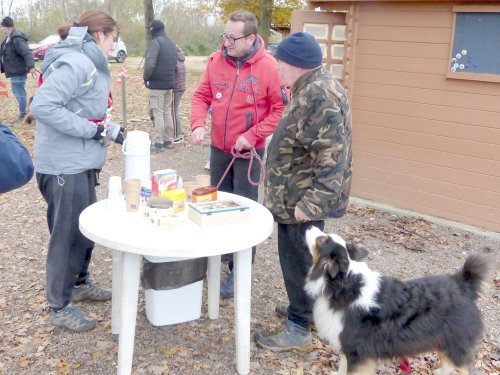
421 141
433 127
427 203
434 172
423 80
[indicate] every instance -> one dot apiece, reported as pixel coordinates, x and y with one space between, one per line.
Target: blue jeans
18 84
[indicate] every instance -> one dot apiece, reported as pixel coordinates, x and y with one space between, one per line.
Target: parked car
118 53
40 49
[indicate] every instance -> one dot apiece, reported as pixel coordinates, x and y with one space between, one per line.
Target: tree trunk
266 15
149 16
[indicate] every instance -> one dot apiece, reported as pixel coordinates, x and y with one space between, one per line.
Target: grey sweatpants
160 104
69 251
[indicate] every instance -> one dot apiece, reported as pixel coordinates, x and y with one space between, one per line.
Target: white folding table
131 238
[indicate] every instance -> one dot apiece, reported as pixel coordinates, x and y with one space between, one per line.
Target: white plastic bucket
164 307
137 156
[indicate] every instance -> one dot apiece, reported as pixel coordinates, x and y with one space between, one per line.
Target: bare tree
6 4
149 16
266 15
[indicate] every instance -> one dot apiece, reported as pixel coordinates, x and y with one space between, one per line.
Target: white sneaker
207 166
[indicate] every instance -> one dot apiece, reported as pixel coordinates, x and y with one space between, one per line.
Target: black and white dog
367 317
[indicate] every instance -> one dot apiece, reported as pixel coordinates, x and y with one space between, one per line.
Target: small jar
178 198
203 194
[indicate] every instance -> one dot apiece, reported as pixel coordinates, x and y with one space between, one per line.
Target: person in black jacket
16 61
159 78
16 166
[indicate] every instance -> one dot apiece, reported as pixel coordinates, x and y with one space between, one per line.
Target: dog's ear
355 252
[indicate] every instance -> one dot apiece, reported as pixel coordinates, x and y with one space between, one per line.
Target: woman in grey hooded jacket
70 149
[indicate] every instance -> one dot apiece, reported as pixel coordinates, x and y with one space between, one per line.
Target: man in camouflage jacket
308 176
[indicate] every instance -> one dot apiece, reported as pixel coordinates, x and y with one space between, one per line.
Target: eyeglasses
230 39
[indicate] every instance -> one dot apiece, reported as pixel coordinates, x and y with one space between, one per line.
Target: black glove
98 134
119 138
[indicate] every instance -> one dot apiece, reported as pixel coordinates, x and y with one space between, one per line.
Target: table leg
129 297
116 291
213 286
242 296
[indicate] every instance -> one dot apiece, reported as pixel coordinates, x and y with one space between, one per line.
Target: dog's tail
476 273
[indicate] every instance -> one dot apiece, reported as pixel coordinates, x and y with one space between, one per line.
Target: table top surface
129 231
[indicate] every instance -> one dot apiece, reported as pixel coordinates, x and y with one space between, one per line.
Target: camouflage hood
309 157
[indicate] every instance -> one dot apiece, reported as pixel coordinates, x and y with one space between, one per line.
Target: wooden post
124 102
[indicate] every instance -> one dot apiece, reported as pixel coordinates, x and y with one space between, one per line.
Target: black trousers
235 181
69 250
295 261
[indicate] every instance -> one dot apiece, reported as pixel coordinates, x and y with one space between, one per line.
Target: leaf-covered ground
402 246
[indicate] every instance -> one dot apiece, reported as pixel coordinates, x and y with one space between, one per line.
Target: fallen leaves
30 345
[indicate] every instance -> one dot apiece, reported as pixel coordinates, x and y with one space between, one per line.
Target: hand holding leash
250 154
242 144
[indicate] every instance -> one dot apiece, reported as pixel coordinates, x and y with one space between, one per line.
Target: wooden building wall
422 141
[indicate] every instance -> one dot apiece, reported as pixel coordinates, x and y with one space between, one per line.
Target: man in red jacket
243 86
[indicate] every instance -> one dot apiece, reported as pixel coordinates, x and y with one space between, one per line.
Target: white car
119 52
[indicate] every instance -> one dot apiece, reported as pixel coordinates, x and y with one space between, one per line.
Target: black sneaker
177 140
167 144
157 147
72 318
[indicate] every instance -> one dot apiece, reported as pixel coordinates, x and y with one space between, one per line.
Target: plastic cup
189 186
114 192
114 187
132 192
203 180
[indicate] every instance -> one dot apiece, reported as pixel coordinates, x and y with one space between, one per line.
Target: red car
40 49
118 53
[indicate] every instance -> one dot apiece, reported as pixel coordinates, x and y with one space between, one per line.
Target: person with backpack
16 61
159 77
71 139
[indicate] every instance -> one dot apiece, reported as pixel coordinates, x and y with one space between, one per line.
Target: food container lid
204 190
174 194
